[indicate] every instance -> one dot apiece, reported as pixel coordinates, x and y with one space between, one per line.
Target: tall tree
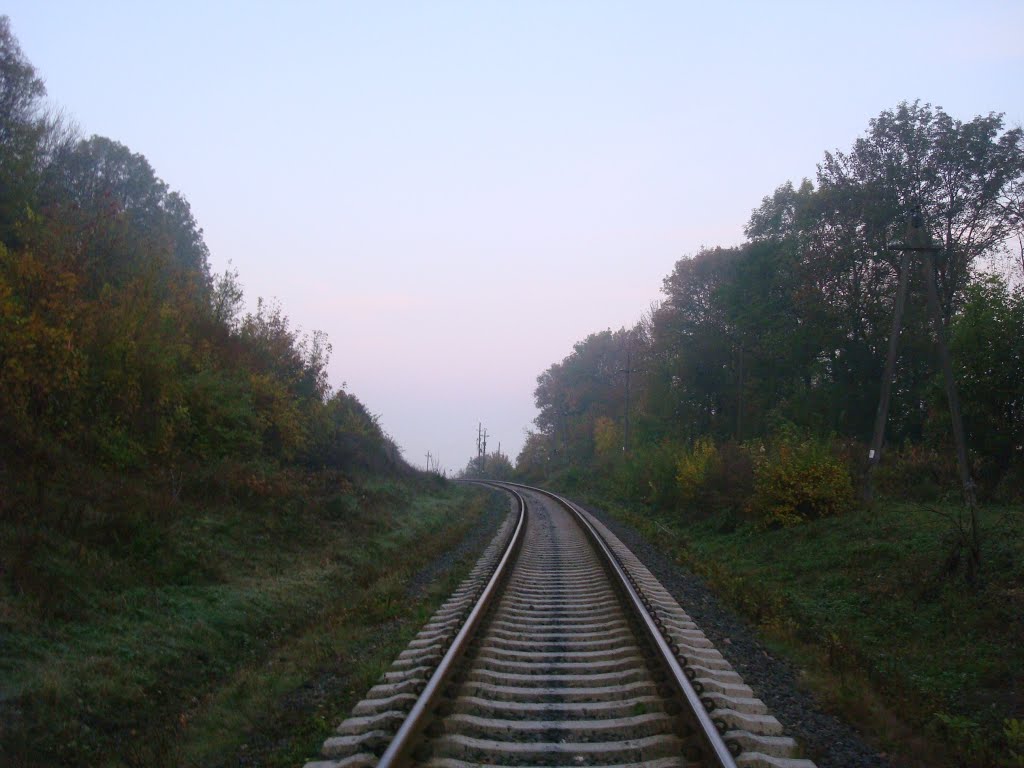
693 344
960 175
22 130
120 219
587 385
795 323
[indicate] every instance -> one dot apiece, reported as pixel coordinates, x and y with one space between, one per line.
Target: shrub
730 479
607 440
693 469
916 473
799 480
653 471
1013 731
1010 489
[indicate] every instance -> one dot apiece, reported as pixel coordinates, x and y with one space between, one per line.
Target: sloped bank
208 635
859 611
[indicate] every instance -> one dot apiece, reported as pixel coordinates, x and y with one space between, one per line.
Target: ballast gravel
827 740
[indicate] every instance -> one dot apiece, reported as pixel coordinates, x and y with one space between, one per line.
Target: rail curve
560 648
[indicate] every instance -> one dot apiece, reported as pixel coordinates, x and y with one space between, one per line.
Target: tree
793 325
120 220
960 174
692 347
534 460
964 177
588 384
493 466
22 130
987 342
773 344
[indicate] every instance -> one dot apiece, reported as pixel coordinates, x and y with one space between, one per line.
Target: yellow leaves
39 356
693 467
282 417
799 481
607 442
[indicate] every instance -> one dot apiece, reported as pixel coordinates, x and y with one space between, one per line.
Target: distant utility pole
628 370
917 240
739 398
481 447
433 463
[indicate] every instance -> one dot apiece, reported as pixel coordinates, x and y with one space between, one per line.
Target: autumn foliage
787 334
119 350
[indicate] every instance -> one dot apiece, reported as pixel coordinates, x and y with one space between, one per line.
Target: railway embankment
859 624
236 630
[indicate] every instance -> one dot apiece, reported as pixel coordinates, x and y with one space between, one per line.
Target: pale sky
457 192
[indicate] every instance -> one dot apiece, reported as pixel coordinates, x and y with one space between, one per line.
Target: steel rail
708 730
414 723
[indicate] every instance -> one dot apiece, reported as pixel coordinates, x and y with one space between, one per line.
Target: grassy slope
885 634
177 645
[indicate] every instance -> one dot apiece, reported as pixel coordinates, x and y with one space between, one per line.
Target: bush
799 480
649 474
731 479
693 469
607 440
1010 489
916 473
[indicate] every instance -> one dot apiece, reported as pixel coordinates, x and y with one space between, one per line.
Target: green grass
878 617
175 642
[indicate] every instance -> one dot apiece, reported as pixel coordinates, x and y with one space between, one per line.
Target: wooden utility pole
882 414
629 373
481 448
739 398
629 370
479 436
959 438
918 241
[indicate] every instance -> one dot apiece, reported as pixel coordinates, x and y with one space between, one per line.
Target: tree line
782 340
119 349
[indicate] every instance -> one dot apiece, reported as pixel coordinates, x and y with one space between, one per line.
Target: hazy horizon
458 193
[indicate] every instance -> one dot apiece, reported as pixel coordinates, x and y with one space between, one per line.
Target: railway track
560 648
